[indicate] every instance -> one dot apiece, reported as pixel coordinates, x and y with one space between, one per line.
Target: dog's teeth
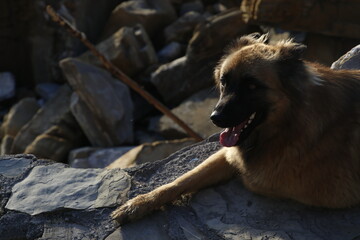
252 116
245 126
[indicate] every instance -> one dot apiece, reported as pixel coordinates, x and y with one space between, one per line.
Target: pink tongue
230 136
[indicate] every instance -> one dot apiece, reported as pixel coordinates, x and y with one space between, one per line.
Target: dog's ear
247 40
290 50
217 72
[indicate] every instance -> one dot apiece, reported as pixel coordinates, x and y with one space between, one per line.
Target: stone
11 168
108 118
129 49
153 15
56 142
78 156
49 115
195 112
350 60
99 158
19 114
179 79
74 204
191 6
182 29
329 18
169 80
7 83
171 52
150 152
54 187
6 144
47 90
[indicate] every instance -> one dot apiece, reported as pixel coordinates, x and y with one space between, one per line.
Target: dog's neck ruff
230 136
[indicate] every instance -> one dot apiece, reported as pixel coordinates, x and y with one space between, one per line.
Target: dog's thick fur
304 143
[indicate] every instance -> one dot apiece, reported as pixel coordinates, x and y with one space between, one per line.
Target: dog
291 130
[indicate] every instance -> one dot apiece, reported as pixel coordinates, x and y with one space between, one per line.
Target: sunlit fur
306 149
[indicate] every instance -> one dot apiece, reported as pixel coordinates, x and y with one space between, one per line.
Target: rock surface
56 142
51 201
351 60
195 111
153 15
105 109
95 157
19 115
129 49
179 79
149 152
182 29
49 115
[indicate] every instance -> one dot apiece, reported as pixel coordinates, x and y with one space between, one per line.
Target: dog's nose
215 117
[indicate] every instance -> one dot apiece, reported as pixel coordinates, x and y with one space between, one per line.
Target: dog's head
256 83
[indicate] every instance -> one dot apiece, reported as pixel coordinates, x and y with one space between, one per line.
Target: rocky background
58 104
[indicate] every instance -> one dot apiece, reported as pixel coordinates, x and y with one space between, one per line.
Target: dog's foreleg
213 170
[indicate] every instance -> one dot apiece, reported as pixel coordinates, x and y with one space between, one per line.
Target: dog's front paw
134 209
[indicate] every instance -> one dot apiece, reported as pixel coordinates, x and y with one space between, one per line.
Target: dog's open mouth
230 136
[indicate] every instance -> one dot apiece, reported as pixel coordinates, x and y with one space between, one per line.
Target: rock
47 90
195 112
191 6
171 52
169 80
56 142
129 49
78 156
326 49
74 204
330 18
350 60
6 144
93 223
20 114
213 35
182 29
153 15
179 79
146 136
7 83
12 170
61 187
99 158
51 114
108 112
150 152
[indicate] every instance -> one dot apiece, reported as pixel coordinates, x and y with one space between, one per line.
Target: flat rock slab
48 188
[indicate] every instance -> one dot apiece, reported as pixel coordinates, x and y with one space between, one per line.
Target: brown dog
292 130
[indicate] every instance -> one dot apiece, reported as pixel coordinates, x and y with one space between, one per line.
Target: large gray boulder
103 107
